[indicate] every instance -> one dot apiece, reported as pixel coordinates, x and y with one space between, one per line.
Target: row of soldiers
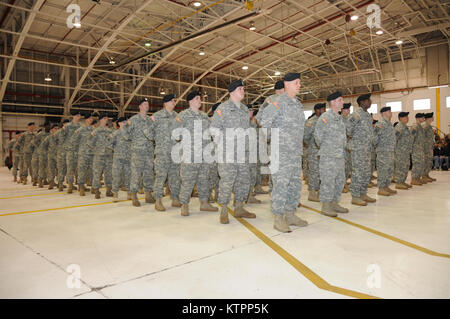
136 154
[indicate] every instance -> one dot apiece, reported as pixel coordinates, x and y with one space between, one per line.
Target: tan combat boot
280 223
60 187
129 196
109 192
383 192
149 198
176 202
370 185
338 208
207 207
368 199
185 210
293 219
260 190
423 180
159 205
45 182
358 201
240 212
24 180
135 200
70 189
51 185
427 178
253 200
34 181
82 190
345 189
391 191
97 193
327 210
407 185
224 215
41 184
15 179
313 196
416 181
194 192
400 186
431 178
141 191
115 197
92 190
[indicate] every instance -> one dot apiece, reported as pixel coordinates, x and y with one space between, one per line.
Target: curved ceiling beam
114 34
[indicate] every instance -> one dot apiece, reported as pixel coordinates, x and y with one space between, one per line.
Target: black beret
319 106
87 115
363 97
192 95
54 125
66 121
121 119
143 100
102 116
429 115
234 85
334 96
395 124
94 122
76 112
291 76
214 107
419 115
385 109
347 105
255 111
31 123
279 85
403 114
374 121
168 97
18 132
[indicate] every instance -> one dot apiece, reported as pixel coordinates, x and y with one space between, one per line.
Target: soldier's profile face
144 106
170 105
238 93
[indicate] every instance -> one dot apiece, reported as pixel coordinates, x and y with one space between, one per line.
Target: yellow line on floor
318 281
378 233
46 194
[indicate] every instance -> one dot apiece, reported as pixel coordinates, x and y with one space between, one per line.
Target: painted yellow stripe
387 236
46 194
318 281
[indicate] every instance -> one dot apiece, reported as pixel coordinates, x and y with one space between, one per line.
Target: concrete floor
396 248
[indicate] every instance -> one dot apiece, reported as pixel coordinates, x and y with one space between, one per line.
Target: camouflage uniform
121 161
286 115
253 167
428 146
213 173
141 134
71 150
417 155
61 155
41 151
14 147
348 159
101 144
26 143
52 157
384 141
330 136
85 154
360 130
312 155
403 148
234 175
194 171
165 168
35 165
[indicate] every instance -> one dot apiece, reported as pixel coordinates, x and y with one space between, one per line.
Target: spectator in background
438 155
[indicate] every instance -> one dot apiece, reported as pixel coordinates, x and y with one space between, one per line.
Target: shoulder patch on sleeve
276 104
308 124
219 112
324 120
379 125
178 119
356 116
153 118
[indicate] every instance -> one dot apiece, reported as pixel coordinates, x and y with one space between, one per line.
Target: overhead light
354 17
277 73
438 86
48 78
197 4
252 26
112 61
162 91
398 42
202 52
148 44
379 32
245 67
77 24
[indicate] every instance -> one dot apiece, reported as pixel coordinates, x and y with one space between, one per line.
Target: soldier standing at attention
71 154
85 155
40 165
253 167
285 114
100 143
140 130
52 156
359 130
234 175
428 147
417 154
312 153
213 174
403 148
26 145
345 113
330 135
35 156
384 141
165 168
14 146
193 170
61 160
121 160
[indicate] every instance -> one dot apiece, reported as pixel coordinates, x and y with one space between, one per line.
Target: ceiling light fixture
354 18
48 78
379 32
112 62
252 26
77 23
277 73
398 42
197 4
202 51
148 44
245 67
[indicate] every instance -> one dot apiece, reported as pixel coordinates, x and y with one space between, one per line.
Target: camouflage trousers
385 168
213 177
428 162
348 164
35 165
52 169
27 169
193 174
332 178
120 173
141 170
287 186
84 167
361 172
253 167
233 178
102 164
16 164
166 169
401 166
71 162
43 166
305 166
417 157
313 171
62 167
